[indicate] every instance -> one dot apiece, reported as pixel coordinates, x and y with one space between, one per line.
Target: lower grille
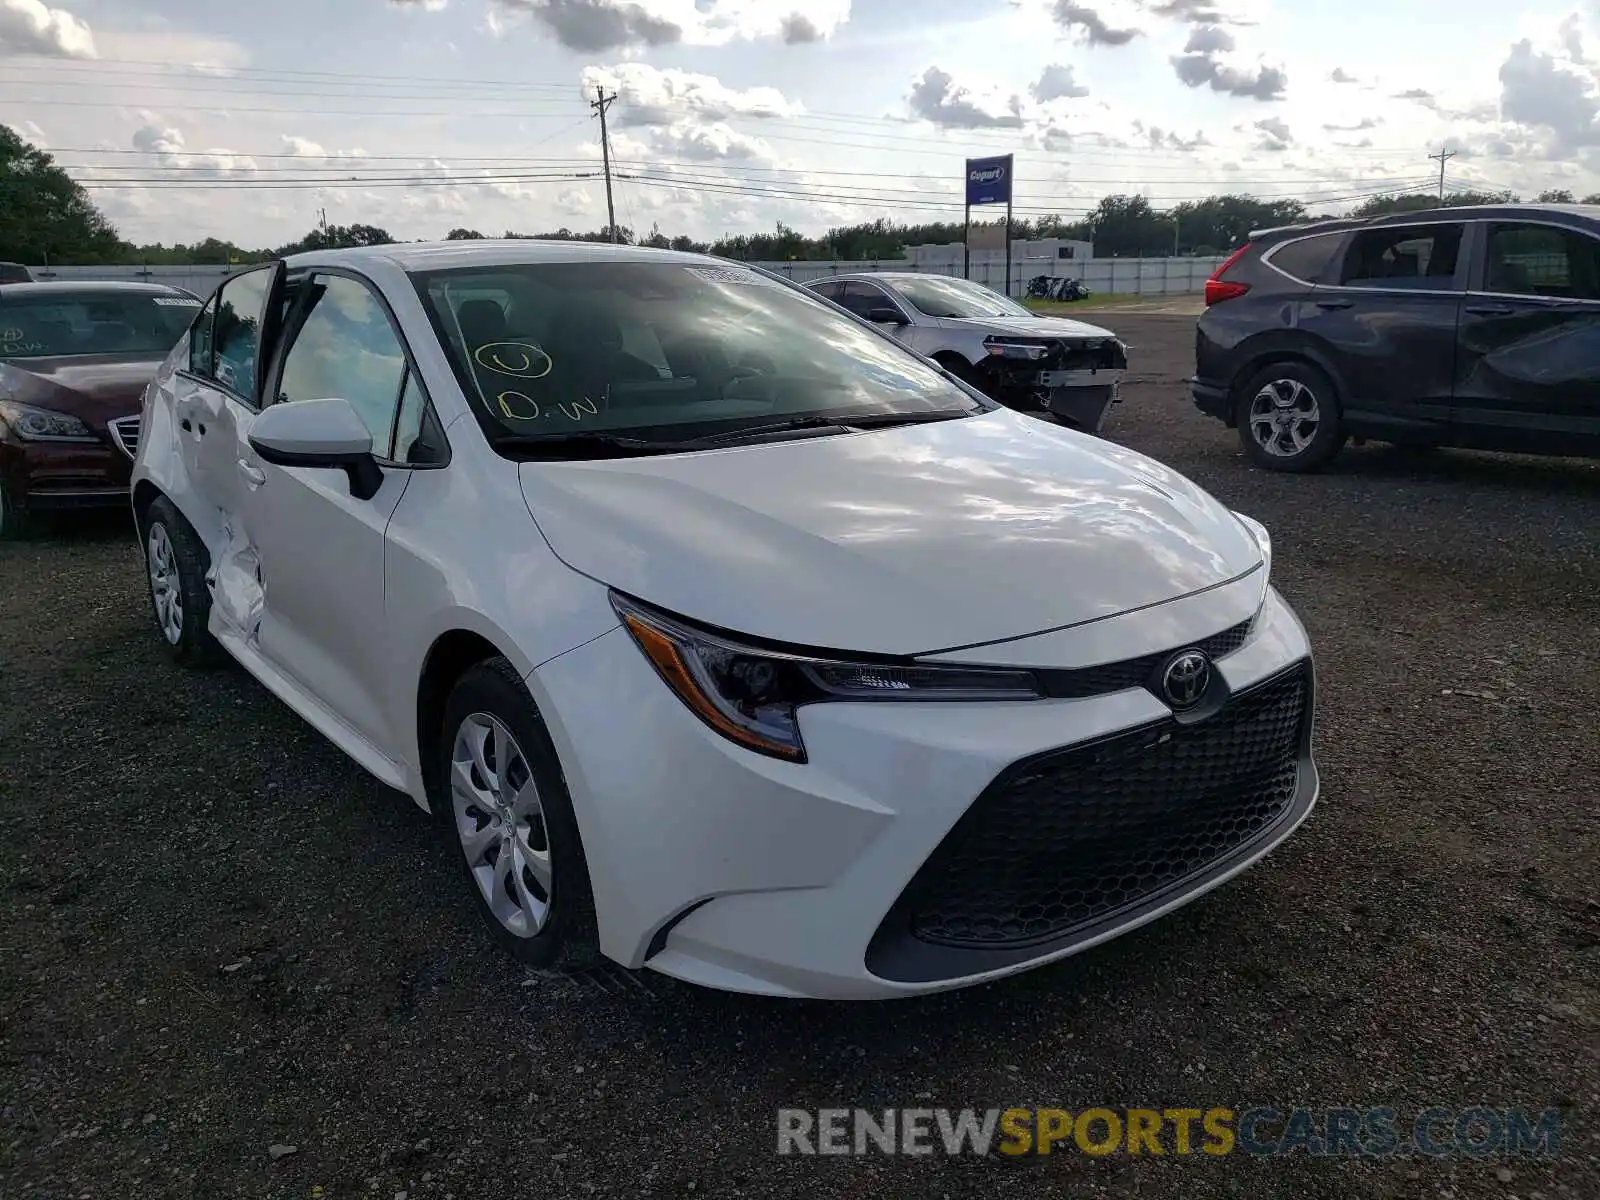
125 433
1062 841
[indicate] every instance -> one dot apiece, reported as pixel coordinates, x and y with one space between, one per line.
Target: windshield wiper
844 424
588 445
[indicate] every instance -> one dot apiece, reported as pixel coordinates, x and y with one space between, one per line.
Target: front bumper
64 475
737 871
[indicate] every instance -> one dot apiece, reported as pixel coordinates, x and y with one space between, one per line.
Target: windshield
664 351
47 326
934 296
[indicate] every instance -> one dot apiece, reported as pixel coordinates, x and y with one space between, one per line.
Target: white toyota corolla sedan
722 634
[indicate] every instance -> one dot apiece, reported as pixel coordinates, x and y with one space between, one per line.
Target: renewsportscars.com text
1259 1131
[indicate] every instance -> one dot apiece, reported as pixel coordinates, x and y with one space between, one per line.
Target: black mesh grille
1135 672
1063 840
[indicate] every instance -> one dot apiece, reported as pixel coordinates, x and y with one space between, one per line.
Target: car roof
890 276
493 252
58 287
1461 212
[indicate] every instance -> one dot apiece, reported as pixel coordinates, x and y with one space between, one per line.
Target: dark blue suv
1475 327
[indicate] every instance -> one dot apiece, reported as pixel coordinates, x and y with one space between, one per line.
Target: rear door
215 407
1528 362
1387 319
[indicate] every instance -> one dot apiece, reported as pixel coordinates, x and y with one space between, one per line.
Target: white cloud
649 95
1104 23
1057 82
31 27
1231 74
421 5
936 97
1538 90
592 26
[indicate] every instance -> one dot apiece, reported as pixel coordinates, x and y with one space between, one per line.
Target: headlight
751 694
43 424
1031 351
1263 539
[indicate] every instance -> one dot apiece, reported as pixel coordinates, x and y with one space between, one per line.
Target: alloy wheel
165 592
1284 417
500 823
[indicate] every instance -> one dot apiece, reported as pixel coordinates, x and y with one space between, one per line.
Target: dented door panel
1529 374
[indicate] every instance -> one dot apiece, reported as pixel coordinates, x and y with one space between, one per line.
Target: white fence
1104 276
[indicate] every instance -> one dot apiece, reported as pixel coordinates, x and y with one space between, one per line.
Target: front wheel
503 801
16 522
1289 418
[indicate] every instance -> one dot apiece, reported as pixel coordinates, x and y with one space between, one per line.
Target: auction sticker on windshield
732 275
177 302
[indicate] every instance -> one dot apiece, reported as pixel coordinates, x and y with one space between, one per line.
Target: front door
1528 365
1388 324
321 549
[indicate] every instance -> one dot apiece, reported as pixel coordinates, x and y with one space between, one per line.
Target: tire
543 916
1304 424
175 566
16 522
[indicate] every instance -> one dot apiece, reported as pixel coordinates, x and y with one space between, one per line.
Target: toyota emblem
1185 679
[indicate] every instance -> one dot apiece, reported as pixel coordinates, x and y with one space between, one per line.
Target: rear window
48 326
15 273
1307 259
1410 256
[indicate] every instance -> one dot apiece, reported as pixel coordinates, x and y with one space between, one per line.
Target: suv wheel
503 800
175 563
1289 418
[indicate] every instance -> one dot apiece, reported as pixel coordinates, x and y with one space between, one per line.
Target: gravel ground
217 936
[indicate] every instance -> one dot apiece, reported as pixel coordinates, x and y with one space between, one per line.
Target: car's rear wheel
175 565
503 800
1289 417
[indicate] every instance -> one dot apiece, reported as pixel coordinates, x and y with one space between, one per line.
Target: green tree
44 214
1378 206
1553 196
463 235
337 237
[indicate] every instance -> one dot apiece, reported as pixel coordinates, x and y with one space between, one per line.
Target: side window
345 347
828 291
417 438
1411 256
1307 259
1541 260
862 298
236 331
200 340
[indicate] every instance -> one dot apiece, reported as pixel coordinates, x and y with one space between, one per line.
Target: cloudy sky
245 120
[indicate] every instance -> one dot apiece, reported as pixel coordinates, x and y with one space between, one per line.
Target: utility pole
600 103
1443 156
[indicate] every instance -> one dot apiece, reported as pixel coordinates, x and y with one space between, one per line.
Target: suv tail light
1219 289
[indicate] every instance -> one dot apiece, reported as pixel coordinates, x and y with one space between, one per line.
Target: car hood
1049 327
95 388
895 541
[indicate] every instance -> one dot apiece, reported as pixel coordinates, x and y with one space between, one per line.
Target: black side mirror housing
885 316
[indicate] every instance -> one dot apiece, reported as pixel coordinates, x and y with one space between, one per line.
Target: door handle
254 476
1490 310
1334 303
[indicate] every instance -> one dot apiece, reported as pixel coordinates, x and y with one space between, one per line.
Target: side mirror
319 433
885 316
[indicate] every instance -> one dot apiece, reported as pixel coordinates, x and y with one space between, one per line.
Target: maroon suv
74 362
